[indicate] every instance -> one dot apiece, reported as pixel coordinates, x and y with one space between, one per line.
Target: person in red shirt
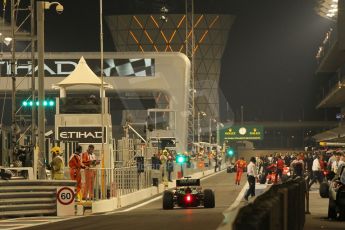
75 165
279 170
240 165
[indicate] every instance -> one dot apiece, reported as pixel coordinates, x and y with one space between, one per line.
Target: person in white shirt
251 175
317 173
336 163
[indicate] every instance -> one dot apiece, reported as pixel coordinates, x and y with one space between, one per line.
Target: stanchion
307 211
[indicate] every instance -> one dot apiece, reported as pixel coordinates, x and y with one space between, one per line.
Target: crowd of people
164 161
311 165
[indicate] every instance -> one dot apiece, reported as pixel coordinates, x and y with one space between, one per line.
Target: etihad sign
81 134
94 135
52 68
140 67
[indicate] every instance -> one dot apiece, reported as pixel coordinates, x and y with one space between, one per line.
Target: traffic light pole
33 89
41 109
181 170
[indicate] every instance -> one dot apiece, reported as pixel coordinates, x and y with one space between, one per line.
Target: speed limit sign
65 195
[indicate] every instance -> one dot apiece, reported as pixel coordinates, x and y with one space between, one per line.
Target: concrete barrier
280 207
132 198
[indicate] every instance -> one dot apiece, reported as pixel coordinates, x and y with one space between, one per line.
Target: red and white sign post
65 201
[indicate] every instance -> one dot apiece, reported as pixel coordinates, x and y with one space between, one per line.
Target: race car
188 193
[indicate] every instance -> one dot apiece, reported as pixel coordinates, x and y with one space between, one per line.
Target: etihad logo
94 135
82 134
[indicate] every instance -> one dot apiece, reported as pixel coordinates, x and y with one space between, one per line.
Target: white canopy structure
81 75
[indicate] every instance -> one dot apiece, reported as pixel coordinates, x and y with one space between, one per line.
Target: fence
281 207
109 183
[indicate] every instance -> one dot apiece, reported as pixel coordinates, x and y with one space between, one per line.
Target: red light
188 198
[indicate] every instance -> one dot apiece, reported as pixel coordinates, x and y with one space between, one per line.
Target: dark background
268 64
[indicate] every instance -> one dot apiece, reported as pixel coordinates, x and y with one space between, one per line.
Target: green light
180 159
46 103
230 151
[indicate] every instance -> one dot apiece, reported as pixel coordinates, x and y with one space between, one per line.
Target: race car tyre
332 209
324 190
209 200
168 200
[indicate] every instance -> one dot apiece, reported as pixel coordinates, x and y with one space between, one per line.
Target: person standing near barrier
170 166
251 175
298 166
57 165
279 170
163 158
317 173
336 163
75 165
240 165
89 161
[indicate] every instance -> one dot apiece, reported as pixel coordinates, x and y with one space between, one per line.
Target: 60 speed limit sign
65 196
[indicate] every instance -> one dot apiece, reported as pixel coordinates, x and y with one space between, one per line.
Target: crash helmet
56 150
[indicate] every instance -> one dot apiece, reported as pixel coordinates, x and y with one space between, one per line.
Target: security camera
59 8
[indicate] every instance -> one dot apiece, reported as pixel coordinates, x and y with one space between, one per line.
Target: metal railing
128 180
109 183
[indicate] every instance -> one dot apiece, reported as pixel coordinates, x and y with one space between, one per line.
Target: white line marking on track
156 198
142 204
239 197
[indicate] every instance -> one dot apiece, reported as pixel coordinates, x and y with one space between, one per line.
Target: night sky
269 61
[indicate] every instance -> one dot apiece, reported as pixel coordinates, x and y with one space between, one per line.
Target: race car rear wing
187 182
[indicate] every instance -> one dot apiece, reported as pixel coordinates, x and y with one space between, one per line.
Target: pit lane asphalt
152 216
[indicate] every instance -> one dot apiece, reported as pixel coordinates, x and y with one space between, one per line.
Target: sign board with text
245 132
65 201
82 134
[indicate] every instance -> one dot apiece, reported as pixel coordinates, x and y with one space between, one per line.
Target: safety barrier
107 183
282 206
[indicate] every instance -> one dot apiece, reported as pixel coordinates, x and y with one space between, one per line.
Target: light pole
202 114
40 7
210 130
218 137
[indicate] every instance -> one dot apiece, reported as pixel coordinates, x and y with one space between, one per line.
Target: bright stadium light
327 9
